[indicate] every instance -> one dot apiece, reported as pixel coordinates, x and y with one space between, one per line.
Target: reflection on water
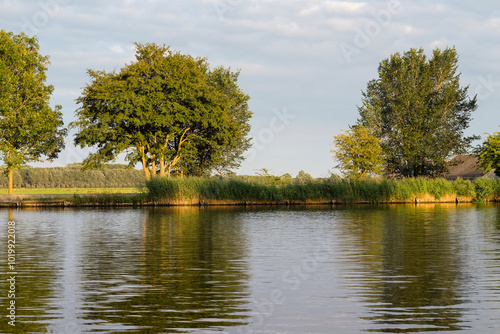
396 269
412 262
131 271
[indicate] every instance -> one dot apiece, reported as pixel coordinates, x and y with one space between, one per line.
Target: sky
304 63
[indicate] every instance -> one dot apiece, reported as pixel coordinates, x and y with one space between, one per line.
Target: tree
489 153
303 178
30 130
358 152
231 155
167 111
418 111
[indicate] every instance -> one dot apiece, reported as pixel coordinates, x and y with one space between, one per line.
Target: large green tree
166 110
489 153
30 130
419 111
239 113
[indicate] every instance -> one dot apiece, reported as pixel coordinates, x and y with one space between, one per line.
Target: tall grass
343 190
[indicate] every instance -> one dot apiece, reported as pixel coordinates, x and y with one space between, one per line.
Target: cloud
117 48
343 7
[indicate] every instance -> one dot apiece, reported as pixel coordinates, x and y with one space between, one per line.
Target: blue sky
303 63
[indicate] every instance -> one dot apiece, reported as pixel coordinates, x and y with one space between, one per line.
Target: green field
71 191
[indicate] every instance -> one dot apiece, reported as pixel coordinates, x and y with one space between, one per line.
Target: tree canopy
489 153
166 110
359 153
30 130
418 111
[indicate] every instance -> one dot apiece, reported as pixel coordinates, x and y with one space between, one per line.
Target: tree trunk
11 180
147 174
162 167
153 166
145 166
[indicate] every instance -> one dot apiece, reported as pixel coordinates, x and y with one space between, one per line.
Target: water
382 269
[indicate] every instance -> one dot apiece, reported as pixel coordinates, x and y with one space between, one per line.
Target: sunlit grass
338 189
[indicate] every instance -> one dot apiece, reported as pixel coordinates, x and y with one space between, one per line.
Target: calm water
394 269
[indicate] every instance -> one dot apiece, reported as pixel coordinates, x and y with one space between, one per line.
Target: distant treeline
72 176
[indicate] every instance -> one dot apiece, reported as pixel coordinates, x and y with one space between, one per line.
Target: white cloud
117 48
344 7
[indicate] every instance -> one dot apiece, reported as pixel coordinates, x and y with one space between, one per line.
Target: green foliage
464 188
238 142
489 153
359 153
418 111
440 187
303 178
30 130
168 111
484 188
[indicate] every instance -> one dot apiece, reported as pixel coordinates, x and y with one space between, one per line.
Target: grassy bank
337 190
262 190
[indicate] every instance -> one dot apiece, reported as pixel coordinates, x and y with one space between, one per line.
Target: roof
466 167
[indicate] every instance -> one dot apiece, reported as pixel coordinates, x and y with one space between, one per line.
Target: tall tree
419 111
489 153
30 130
359 153
239 114
165 110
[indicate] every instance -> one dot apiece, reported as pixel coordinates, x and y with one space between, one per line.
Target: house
467 167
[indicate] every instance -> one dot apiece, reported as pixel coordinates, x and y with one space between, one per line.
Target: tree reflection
34 259
187 271
411 265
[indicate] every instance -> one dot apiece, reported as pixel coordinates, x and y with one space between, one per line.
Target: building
467 167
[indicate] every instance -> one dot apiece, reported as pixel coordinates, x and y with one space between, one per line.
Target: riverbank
231 191
132 200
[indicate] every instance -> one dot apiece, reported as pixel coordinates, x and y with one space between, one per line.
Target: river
341 269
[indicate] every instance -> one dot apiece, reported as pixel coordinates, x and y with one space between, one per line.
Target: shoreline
138 200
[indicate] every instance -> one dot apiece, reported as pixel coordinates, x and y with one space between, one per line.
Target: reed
343 190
